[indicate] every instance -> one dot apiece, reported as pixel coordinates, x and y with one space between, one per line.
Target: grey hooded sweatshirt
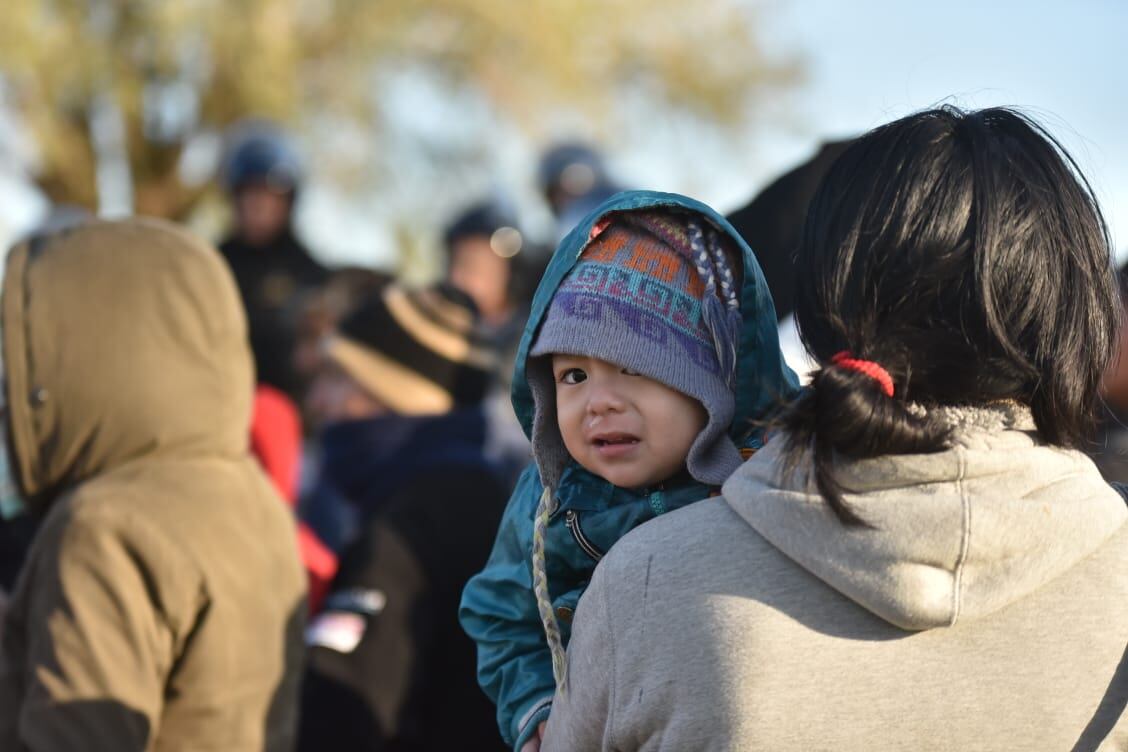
987 609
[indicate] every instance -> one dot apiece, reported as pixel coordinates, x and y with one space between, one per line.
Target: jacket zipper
572 521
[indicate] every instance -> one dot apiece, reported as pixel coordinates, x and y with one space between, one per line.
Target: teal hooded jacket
499 609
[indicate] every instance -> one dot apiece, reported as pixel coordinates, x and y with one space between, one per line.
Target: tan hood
957 535
122 340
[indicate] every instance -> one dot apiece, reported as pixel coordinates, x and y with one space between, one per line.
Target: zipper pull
572 522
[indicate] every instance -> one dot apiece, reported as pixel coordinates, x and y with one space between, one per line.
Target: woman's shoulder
682 525
689 540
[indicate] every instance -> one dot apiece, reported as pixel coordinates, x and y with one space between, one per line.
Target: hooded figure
160 606
588 513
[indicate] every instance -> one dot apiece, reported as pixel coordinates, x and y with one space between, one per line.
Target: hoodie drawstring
540 588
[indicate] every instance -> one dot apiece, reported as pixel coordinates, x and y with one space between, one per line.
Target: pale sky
871 61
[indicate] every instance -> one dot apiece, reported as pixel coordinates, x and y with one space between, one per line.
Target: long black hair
965 253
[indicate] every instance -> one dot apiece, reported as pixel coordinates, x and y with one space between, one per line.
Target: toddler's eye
572 376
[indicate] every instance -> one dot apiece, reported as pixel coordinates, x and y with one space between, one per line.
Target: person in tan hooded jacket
160 606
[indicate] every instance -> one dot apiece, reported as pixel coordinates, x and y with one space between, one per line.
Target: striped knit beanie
415 350
654 292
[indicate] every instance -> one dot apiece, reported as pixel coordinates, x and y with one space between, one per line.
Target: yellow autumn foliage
284 59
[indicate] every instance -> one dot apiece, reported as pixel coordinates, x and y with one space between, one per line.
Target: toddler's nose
605 398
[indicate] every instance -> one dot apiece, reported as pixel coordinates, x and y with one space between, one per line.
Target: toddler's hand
533 745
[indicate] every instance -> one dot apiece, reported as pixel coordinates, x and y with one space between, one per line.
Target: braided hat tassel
722 318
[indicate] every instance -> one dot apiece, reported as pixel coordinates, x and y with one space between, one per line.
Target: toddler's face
622 426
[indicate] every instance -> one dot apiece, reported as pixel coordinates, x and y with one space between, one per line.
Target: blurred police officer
272 268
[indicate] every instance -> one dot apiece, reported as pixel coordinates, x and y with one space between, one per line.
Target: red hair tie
845 360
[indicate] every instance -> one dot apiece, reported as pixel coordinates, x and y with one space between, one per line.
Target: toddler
650 355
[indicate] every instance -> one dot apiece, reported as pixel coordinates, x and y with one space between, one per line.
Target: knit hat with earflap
653 292
415 350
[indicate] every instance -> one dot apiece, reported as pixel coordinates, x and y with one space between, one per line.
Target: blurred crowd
381 415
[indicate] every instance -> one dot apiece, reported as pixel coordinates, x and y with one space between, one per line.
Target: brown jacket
160 605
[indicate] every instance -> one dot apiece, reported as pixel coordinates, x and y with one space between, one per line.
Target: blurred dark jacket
389 666
272 279
772 223
1110 446
15 538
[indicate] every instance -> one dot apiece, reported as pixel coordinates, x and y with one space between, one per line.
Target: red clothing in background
276 440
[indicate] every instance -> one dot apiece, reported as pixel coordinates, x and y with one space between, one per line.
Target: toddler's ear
598 228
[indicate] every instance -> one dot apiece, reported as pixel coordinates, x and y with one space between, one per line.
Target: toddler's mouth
614 439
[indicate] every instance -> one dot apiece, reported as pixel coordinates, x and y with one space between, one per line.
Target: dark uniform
271 279
274 273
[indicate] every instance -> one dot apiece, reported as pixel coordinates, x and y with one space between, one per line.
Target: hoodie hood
956 535
121 340
763 380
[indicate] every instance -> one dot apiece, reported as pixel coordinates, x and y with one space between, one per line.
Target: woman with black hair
920 558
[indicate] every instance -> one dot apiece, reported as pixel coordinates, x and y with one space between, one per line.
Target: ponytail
846 412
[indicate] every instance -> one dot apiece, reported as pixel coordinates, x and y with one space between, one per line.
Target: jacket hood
956 535
763 380
121 340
